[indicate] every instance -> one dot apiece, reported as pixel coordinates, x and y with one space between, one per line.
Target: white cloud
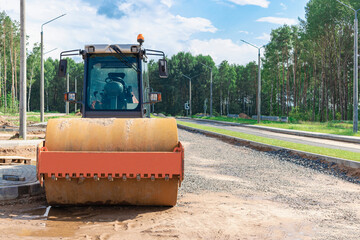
284 7
264 36
246 32
278 20
261 3
83 25
168 3
224 49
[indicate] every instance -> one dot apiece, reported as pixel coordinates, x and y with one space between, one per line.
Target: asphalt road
352 147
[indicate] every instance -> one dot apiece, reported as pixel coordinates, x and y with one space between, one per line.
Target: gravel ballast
322 195
229 192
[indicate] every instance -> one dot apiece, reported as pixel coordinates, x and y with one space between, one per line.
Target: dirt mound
243 115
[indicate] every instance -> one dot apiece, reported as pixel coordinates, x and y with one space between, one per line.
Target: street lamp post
42 69
259 81
190 89
356 69
210 87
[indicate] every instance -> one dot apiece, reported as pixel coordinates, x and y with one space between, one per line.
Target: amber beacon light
140 39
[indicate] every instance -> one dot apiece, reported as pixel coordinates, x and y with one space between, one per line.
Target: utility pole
42 77
211 83
42 68
259 89
356 69
22 105
259 80
356 75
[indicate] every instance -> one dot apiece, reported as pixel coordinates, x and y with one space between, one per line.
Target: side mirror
163 72
62 68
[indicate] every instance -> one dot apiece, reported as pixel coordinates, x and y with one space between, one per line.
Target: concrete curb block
267 147
286 131
18 191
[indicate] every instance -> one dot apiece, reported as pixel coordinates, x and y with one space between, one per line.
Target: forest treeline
10 72
307 72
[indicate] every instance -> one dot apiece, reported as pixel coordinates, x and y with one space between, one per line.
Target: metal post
42 69
190 96
190 90
210 87
47 100
42 78
75 92
22 106
259 90
211 92
258 97
67 90
356 71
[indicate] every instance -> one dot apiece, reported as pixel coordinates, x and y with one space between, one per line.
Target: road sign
187 106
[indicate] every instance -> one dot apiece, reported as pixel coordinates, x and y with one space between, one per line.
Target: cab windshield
112 83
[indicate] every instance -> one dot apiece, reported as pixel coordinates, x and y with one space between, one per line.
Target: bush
215 113
294 115
293 120
297 115
338 116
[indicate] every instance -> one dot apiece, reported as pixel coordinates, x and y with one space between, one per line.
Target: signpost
186 106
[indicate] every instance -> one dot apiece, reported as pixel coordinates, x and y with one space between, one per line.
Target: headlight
134 49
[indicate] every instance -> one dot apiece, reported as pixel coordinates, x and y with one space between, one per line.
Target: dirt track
230 192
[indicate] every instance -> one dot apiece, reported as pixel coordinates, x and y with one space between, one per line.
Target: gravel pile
316 189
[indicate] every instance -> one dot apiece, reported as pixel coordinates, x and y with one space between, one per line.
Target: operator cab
111 84
116 80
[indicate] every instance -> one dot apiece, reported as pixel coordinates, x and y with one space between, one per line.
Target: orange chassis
80 164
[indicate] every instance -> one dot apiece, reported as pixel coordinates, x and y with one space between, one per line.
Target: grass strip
280 143
332 127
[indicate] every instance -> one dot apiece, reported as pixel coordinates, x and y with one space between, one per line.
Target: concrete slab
14 143
15 189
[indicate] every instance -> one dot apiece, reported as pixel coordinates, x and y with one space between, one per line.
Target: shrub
338 116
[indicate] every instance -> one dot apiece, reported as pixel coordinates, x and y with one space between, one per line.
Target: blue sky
212 27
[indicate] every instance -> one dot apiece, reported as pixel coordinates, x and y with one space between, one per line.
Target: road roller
115 154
